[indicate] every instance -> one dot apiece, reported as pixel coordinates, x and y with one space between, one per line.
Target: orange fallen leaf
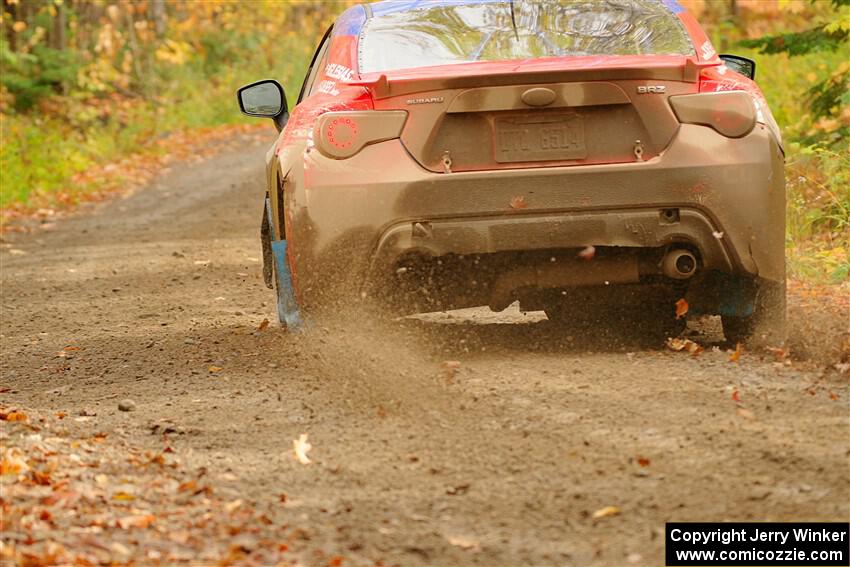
123 496
13 462
142 521
518 202
643 461
681 308
16 415
263 325
448 369
736 355
779 353
736 396
213 369
587 253
746 414
40 478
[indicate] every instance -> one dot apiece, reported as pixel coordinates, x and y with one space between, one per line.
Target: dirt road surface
504 460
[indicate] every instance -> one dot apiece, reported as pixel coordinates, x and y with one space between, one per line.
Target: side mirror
265 99
742 65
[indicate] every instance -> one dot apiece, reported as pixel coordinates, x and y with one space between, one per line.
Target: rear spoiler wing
382 86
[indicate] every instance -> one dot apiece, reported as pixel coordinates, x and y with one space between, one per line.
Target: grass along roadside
124 175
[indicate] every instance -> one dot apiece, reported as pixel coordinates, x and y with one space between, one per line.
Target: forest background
98 95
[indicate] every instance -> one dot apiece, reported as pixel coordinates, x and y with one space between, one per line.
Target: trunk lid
541 113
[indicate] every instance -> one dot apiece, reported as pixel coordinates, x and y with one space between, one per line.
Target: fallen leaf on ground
736 355
688 345
230 507
746 414
263 325
681 308
643 461
15 415
606 512
448 369
779 353
301 447
214 369
13 462
142 521
736 395
518 202
465 543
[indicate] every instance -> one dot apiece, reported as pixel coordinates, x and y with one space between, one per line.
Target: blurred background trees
84 82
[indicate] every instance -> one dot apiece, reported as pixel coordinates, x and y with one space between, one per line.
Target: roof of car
385 7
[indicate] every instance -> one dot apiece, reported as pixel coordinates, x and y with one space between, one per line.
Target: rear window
443 32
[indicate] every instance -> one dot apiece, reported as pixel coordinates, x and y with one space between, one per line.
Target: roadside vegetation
87 83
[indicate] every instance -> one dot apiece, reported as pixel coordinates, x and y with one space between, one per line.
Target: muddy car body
458 153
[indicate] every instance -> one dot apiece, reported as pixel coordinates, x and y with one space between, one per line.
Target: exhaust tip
679 264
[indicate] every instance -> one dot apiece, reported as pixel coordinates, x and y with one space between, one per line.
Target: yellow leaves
122 496
174 52
300 447
606 512
214 369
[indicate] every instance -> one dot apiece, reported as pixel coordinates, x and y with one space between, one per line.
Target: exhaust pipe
679 264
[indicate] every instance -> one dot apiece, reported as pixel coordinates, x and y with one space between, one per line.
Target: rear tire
766 325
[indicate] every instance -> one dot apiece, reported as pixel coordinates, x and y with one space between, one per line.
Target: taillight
340 135
731 113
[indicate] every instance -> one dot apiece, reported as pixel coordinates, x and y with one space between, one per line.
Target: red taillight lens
340 135
731 113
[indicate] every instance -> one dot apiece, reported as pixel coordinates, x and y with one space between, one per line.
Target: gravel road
467 438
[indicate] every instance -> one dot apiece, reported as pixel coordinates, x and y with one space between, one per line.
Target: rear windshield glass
441 32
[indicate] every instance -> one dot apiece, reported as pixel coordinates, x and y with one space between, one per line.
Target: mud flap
287 306
737 297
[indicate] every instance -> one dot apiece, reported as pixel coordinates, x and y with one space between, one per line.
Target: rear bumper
352 220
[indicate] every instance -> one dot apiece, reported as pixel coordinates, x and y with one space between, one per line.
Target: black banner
762 544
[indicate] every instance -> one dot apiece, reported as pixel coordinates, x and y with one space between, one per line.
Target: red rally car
569 155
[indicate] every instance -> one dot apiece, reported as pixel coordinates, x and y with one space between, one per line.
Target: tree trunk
158 12
57 34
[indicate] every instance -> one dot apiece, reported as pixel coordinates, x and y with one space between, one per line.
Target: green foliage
800 43
40 73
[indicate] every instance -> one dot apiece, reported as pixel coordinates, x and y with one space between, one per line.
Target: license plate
540 138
